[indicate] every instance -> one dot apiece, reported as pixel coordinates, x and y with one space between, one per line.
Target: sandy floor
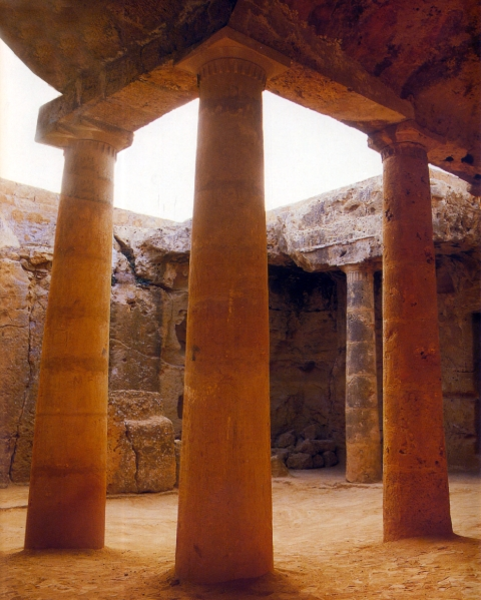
327 545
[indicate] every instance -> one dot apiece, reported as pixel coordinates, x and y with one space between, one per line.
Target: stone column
416 494
363 438
66 504
225 521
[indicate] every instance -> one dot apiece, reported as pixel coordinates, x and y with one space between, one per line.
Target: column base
67 512
416 504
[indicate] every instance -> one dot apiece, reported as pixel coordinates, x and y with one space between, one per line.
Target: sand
328 544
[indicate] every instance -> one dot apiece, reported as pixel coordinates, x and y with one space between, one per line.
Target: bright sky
305 153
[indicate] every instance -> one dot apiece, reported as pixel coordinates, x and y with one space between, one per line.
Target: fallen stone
283 453
278 468
286 439
140 444
324 445
311 432
299 460
330 458
318 461
307 447
153 444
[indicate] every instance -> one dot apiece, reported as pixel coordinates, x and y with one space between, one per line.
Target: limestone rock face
148 311
344 226
307 313
27 226
307 316
141 454
14 366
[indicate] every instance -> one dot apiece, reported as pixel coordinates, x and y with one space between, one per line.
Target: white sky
305 153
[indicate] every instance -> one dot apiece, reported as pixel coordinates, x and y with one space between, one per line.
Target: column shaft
416 495
66 507
225 521
363 438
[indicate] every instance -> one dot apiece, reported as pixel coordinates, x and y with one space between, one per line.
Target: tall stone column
363 438
66 506
225 521
416 494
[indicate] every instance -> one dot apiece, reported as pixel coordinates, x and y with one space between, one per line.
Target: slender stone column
363 438
416 494
225 515
66 504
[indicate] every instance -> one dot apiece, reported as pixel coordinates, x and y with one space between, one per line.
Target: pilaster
363 440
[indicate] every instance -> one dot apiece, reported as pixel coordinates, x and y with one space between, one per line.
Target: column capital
83 128
241 66
358 270
406 137
228 43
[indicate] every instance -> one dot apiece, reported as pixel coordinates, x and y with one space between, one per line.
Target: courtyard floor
328 544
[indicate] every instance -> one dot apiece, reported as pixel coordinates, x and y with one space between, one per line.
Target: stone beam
126 95
144 84
138 88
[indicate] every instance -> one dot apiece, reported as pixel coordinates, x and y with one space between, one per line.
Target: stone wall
307 324
307 243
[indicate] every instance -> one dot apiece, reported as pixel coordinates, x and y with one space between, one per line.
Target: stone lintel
125 95
229 43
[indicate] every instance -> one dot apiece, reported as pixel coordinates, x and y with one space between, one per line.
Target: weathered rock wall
459 302
306 244
307 325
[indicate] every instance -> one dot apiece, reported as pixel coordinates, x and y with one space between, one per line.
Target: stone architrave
66 507
225 512
416 493
363 438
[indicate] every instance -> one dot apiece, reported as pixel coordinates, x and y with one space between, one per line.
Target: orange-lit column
66 504
225 521
416 494
363 437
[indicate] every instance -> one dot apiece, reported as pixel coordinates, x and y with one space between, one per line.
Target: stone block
312 432
324 445
140 444
278 467
286 439
307 447
152 441
318 461
299 460
330 458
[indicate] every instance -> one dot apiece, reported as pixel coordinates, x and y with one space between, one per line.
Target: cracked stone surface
140 447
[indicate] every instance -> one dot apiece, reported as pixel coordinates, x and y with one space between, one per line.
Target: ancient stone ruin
303 346
310 246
